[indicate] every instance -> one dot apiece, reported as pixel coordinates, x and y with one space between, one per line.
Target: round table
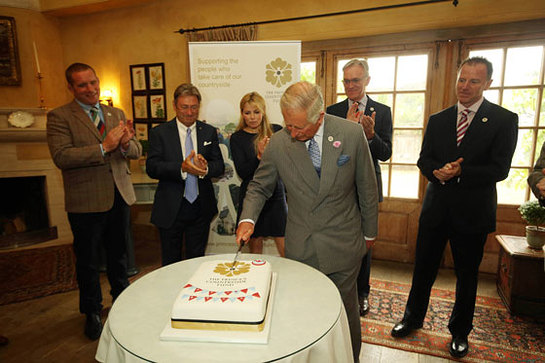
308 319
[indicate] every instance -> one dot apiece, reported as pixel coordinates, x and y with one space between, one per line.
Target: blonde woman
247 146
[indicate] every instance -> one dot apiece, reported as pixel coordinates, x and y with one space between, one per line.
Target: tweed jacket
88 176
328 216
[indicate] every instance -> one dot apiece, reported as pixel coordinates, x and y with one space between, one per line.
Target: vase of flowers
534 214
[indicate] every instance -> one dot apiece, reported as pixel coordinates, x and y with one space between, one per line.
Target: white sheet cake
220 297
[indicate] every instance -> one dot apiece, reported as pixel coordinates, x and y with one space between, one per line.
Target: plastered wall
112 40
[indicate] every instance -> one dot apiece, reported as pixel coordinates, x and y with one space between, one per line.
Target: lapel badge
330 138
484 119
372 109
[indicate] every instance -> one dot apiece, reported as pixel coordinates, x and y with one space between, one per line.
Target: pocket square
343 159
206 143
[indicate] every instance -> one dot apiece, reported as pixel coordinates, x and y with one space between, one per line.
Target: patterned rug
497 336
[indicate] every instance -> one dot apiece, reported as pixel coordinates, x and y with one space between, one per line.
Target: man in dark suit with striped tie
466 150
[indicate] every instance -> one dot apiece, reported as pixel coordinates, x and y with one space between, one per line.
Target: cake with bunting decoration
220 296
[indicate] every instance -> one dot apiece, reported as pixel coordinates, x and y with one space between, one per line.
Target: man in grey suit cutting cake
327 169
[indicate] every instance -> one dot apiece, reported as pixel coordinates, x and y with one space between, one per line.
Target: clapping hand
449 170
261 145
128 134
195 164
353 113
113 138
367 122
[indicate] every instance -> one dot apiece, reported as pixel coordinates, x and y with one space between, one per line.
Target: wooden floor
50 329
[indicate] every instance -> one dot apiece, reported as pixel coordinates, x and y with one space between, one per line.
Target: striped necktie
95 117
314 152
463 124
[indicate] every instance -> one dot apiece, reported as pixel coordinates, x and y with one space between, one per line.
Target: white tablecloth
308 324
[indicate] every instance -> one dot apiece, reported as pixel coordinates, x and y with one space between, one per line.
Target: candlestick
36 56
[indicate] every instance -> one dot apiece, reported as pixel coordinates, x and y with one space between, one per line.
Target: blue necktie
314 152
191 190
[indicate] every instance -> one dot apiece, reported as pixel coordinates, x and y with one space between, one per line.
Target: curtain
238 33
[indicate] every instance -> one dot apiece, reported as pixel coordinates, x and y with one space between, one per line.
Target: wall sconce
106 97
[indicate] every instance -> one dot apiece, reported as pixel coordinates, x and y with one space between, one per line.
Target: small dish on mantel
21 119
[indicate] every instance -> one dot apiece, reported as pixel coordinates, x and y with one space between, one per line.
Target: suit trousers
467 251
346 283
365 274
189 226
91 230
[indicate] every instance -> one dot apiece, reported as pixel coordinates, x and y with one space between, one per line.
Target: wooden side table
521 277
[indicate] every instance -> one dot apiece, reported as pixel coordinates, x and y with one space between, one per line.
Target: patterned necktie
462 126
314 152
97 121
191 190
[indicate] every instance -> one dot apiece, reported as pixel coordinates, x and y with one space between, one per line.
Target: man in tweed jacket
97 185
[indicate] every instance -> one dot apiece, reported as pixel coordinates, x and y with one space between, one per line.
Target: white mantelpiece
24 153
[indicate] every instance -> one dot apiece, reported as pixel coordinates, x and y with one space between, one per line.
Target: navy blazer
469 201
164 162
381 145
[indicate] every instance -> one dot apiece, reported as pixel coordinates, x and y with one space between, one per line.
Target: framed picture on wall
138 78
141 130
148 92
140 107
10 68
155 76
158 107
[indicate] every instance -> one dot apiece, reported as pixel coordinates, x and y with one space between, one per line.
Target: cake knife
236 255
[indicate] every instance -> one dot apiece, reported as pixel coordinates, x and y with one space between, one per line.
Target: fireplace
36 257
24 218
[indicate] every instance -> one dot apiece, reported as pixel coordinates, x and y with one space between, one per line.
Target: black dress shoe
364 305
404 328
458 346
93 326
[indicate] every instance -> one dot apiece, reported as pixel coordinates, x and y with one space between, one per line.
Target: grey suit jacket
89 177
329 216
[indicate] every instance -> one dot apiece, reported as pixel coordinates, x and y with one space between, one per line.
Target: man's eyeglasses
353 80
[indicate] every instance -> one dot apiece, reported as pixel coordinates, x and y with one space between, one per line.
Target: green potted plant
534 214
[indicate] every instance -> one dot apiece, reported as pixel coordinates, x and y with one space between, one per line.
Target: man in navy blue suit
466 150
376 120
184 155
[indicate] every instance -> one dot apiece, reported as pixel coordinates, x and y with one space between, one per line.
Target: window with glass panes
518 86
400 82
308 71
